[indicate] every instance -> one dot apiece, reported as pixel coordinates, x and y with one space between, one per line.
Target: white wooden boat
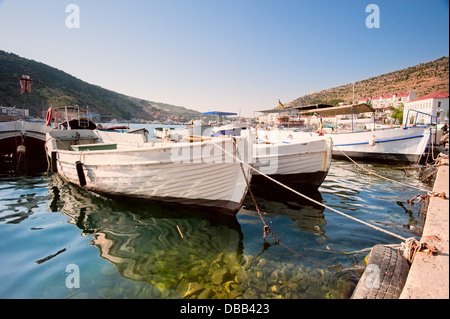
299 161
111 163
406 144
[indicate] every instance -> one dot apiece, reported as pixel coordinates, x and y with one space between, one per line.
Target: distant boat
191 132
197 131
69 118
407 144
162 132
233 129
198 173
113 128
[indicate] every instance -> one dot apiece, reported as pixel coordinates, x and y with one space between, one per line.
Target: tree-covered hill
55 87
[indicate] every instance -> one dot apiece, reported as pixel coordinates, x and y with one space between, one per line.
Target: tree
398 114
335 102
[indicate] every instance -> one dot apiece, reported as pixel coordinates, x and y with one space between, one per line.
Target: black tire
385 275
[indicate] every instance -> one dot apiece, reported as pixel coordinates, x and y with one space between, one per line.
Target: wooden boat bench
94 147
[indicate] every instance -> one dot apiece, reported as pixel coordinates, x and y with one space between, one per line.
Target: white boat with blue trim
406 144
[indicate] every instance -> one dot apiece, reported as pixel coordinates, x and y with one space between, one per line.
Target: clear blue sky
225 55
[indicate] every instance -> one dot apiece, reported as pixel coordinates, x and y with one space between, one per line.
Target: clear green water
131 249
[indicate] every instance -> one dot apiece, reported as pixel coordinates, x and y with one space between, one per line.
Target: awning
279 110
219 113
341 110
311 108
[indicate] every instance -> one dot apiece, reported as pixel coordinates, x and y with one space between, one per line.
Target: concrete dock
428 277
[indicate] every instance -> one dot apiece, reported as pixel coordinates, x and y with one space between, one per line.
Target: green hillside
53 86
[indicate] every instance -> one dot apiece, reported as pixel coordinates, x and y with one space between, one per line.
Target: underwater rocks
265 279
228 276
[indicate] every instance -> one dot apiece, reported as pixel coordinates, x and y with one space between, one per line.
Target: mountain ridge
52 86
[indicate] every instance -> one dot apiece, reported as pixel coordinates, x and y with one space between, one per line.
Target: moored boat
301 162
406 144
22 144
297 161
233 129
198 173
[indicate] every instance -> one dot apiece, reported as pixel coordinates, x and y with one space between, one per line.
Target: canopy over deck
340 110
219 113
297 108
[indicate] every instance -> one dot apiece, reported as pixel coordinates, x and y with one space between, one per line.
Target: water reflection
306 215
370 195
16 207
179 252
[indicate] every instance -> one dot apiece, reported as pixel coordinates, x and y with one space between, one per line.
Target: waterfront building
435 104
384 101
13 111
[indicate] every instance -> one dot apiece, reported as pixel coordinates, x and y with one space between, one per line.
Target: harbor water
61 241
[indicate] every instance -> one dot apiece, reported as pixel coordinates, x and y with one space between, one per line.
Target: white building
268 118
383 101
13 111
435 104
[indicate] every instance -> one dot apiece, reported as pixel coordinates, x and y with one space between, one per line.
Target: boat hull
400 144
298 181
32 157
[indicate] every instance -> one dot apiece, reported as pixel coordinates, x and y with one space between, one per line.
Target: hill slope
54 86
421 79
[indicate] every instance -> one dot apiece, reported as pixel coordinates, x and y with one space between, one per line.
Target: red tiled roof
438 95
377 97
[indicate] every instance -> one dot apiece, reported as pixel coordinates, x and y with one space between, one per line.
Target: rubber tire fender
385 275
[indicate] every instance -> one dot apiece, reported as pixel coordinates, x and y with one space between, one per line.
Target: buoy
372 140
21 149
48 117
80 172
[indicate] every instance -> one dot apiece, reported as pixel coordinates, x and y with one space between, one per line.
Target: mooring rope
312 200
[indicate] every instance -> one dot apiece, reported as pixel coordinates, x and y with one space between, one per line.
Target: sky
225 55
